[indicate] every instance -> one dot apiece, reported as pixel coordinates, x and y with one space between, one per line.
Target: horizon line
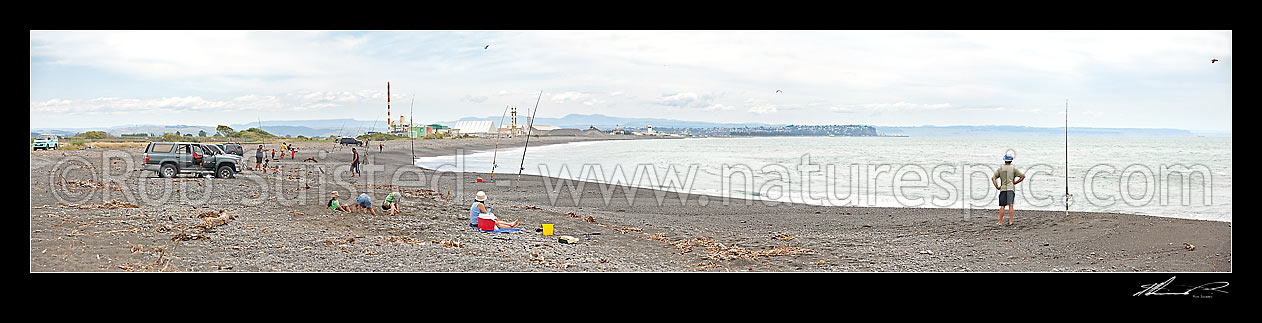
765 124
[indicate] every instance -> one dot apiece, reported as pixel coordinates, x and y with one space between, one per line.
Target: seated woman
480 209
392 203
335 205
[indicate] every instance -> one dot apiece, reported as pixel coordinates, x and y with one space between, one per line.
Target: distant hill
315 128
309 128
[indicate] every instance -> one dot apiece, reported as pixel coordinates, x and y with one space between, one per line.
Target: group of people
391 206
262 164
381 146
1005 179
364 204
286 147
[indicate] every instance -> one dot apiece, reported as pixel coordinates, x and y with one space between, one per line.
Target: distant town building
648 132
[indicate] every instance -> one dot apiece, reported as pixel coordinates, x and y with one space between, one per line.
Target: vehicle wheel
224 172
167 170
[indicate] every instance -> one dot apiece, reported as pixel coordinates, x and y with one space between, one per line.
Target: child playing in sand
392 203
336 205
365 203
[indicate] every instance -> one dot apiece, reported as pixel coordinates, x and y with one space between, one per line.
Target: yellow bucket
547 229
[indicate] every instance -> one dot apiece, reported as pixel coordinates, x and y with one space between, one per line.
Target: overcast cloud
1143 79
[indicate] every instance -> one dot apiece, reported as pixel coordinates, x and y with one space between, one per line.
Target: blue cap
1007 157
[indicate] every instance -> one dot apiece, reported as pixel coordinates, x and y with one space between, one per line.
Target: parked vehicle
169 159
45 141
232 148
350 141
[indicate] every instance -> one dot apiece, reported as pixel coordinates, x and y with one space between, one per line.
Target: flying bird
777 91
1213 61
487 46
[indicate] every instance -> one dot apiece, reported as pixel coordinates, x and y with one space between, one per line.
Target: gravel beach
95 210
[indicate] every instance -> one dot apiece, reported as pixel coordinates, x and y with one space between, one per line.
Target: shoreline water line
942 185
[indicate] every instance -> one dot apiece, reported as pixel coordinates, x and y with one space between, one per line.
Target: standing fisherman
258 158
1007 190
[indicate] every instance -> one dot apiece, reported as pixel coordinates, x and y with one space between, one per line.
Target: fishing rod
530 126
497 143
260 120
410 115
1068 196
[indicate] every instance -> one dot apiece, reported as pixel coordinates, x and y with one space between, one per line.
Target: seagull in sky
1213 61
487 46
777 91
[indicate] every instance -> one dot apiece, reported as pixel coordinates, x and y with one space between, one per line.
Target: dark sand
279 223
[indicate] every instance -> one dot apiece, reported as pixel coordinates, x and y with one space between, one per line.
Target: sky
1114 79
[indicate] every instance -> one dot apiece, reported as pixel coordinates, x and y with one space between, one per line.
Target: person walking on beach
1007 186
354 162
381 146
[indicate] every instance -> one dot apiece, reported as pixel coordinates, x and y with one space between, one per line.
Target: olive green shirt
1006 174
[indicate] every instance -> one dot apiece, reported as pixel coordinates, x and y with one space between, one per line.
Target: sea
1179 177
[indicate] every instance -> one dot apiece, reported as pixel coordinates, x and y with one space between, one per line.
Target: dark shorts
385 207
1007 197
258 159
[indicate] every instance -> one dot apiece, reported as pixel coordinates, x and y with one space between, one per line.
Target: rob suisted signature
1159 288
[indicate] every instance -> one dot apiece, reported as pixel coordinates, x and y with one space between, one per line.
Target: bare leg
1001 210
505 225
1011 211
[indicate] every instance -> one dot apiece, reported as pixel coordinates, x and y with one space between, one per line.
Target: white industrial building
539 127
474 128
